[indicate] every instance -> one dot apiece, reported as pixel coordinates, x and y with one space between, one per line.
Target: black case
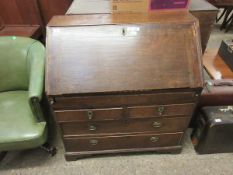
226 52
213 131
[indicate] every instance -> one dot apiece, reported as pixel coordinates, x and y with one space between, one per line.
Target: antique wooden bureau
123 82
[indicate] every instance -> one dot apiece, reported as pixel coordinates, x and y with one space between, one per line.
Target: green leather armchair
22 62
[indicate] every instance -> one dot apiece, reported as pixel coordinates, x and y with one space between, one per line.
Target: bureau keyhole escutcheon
89 114
161 110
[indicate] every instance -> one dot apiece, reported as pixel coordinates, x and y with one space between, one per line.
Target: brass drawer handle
161 110
91 128
93 142
154 139
157 125
89 114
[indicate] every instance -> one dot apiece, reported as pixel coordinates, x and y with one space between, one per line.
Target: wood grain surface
123 82
122 142
119 113
20 12
215 65
167 125
50 8
104 53
33 31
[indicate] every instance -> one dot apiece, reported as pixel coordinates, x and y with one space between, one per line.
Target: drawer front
158 125
109 101
120 113
122 142
89 114
161 110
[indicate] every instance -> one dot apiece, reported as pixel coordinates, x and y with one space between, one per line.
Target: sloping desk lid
122 53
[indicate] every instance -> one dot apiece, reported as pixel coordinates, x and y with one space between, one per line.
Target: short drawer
161 110
110 101
122 142
89 114
176 124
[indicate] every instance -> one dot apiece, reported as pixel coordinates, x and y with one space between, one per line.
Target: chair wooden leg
221 15
2 155
225 21
49 149
230 24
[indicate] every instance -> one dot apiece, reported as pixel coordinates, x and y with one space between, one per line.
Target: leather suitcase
226 52
214 93
214 130
123 82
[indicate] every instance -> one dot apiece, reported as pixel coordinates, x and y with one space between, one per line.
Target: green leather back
14 63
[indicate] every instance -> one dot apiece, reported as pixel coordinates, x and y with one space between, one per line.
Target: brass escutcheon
89 114
161 110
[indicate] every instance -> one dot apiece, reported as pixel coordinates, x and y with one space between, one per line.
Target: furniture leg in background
226 18
230 23
206 14
221 15
227 5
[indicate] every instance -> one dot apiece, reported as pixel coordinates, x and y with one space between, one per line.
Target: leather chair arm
36 108
36 58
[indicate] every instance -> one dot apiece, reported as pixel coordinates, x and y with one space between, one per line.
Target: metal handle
161 110
157 125
91 128
89 114
93 142
154 139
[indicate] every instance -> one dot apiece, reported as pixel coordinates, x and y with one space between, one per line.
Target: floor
36 162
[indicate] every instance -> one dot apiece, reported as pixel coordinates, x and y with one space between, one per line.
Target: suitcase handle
225 83
220 83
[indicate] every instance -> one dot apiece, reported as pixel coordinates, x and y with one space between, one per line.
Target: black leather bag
226 52
213 132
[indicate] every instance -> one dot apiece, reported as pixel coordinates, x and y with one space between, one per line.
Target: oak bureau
123 82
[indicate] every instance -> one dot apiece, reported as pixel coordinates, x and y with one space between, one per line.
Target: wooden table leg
221 15
224 23
230 23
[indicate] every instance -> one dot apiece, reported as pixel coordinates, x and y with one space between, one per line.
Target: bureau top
122 53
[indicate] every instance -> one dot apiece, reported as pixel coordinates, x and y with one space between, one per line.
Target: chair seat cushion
19 128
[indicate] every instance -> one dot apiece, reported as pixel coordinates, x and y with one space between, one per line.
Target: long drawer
122 142
106 101
121 113
158 125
